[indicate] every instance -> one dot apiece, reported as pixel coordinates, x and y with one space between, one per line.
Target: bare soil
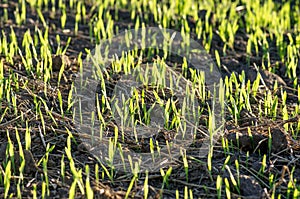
283 156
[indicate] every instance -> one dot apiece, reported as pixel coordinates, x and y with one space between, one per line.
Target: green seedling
227 188
219 186
233 181
88 188
146 186
165 177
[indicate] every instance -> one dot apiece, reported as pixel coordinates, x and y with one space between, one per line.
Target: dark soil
248 149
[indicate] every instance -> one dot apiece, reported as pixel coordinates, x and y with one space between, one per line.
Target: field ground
256 46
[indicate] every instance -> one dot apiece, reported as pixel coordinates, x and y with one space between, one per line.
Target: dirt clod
3 151
249 143
30 166
250 187
279 140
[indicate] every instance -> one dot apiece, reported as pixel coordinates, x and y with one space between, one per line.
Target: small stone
84 147
58 61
